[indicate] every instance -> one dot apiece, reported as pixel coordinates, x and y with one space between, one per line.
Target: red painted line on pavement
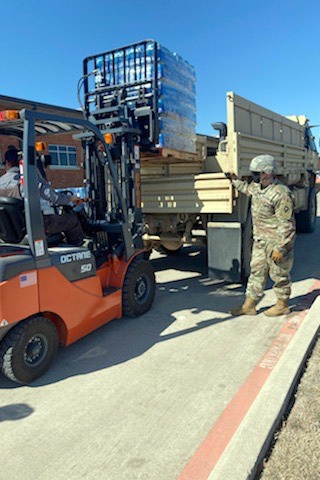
208 454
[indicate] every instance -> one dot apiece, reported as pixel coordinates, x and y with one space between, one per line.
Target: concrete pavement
140 398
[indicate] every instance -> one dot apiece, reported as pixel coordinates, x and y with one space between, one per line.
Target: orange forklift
51 293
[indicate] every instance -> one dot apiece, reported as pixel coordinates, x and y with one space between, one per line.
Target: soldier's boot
248 308
280 308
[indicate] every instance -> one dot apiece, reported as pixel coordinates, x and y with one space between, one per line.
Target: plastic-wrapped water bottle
161 140
150 60
98 78
121 68
150 49
161 106
109 69
129 64
139 62
117 56
99 63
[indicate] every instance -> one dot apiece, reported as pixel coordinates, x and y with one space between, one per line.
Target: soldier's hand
276 255
231 176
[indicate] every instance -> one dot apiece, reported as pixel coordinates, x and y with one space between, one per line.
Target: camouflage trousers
262 265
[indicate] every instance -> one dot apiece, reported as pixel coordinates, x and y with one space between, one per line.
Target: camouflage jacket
272 213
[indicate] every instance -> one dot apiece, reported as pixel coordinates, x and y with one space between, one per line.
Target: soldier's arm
285 222
243 186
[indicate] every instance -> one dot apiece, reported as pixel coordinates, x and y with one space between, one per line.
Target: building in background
66 153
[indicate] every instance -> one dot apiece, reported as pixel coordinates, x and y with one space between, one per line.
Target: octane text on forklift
71 257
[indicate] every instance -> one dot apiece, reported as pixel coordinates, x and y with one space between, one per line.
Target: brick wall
70 176
59 177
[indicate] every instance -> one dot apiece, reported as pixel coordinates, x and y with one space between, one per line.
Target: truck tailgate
204 193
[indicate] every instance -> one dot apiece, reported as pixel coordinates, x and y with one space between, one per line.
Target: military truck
186 196
181 198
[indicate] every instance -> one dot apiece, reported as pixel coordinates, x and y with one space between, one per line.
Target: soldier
273 236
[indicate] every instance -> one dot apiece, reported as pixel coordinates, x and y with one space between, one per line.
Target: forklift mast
121 98
121 88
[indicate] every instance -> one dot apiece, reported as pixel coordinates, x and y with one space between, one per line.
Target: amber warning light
9 115
40 146
108 138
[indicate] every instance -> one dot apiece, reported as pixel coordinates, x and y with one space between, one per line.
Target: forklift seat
12 223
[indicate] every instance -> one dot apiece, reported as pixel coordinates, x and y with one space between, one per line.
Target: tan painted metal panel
289 159
207 193
253 130
171 169
247 117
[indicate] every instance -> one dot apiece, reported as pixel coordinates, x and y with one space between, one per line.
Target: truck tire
139 288
29 348
306 219
246 247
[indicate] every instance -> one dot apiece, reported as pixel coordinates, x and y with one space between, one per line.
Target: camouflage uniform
273 228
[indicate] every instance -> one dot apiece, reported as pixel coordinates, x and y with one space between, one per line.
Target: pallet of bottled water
163 80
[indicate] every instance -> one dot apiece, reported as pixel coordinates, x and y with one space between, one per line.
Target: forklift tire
138 288
27 351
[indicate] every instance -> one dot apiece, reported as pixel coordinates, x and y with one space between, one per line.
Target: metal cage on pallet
121 88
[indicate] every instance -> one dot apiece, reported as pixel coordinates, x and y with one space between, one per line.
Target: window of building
63 156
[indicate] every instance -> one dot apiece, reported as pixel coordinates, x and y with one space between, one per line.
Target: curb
243 457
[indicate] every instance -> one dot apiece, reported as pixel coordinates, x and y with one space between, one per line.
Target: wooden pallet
166 155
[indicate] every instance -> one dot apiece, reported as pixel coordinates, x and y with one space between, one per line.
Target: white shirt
10 178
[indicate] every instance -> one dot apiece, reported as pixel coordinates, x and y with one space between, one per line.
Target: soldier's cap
263 163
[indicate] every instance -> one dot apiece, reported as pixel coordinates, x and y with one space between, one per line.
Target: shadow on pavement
16 411
188 259
303 302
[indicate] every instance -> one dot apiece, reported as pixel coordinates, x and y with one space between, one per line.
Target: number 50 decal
87 267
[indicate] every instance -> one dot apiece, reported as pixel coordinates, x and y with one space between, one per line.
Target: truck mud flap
224 251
